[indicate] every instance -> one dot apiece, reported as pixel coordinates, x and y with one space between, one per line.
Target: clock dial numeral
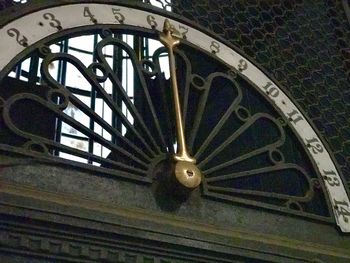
215 47
119 16
331 178
87 13
243 65
315 145
22 40
294 116
53 21
342 209
271 90
151 20
183 30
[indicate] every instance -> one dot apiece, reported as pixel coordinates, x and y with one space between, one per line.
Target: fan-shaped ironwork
247 153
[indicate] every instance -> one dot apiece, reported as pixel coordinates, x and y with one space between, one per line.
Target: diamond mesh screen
305 45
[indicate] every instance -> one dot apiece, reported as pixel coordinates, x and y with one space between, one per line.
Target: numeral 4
87 13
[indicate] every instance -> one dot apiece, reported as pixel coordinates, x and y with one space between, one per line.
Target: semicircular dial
93 91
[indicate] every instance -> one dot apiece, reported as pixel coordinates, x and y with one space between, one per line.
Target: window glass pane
108 50
75 79
161 4
55 48
107 112
164 65
12 74
153 45
53 69
86 59
26 64
72 157
77 114
107 86
99 150
76 144
83 42
69 130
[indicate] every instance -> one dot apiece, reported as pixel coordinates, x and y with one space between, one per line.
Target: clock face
111 109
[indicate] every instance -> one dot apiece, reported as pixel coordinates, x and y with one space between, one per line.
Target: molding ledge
54 208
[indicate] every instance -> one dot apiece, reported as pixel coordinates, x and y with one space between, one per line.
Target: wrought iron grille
247 153
10 3
65 74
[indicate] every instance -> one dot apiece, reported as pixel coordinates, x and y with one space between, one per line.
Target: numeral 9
243 65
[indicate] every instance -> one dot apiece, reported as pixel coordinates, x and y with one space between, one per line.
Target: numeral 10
271 90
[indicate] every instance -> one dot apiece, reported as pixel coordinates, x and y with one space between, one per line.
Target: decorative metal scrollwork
245 151
165 4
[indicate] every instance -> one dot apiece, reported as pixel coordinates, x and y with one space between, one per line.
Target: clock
218 126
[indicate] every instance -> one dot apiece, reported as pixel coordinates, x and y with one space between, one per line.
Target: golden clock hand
186 171
170 42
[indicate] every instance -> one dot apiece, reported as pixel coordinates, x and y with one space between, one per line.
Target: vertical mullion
138 47
137 94
139 99
19 70
61 78
63 64
118 68
33 69
146 48
93 102
126 78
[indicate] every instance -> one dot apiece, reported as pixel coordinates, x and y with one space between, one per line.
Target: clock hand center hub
188 174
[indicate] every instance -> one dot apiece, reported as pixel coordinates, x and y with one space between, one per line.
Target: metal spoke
105 125
129 104
233 137
234 191
254 172
97 85
69 120
221 122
